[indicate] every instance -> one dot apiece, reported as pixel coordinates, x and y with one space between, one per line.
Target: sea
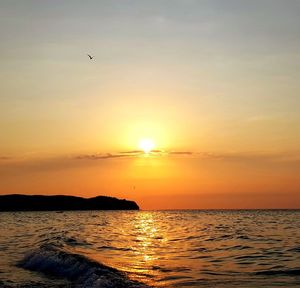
139 249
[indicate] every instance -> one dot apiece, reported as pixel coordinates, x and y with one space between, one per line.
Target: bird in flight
91 57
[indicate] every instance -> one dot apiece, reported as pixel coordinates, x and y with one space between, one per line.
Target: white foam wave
80 270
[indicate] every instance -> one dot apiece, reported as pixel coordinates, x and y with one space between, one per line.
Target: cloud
5 158
10 167
180 153
248 157
99 156
104 156
218 156
130 154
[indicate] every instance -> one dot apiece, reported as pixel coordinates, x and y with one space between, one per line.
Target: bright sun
146 145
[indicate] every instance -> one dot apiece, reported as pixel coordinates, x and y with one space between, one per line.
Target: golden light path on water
145 237
148 235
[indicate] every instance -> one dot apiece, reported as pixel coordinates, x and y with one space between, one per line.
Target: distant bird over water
91 57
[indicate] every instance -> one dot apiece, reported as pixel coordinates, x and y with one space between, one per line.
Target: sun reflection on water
147 237
147 233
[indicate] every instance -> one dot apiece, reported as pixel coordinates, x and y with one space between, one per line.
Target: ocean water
150 249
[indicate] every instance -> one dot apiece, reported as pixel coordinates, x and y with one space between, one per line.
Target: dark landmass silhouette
19 202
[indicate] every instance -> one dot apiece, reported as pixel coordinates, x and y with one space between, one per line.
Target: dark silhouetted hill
16 202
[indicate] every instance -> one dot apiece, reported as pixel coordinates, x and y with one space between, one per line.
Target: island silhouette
20 202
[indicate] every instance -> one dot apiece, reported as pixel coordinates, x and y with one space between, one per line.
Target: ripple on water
159 248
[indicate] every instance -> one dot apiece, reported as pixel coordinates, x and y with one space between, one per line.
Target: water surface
156 248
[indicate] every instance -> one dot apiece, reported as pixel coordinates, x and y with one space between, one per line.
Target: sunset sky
214 84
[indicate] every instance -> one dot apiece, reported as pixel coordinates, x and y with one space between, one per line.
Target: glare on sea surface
147 231
147 238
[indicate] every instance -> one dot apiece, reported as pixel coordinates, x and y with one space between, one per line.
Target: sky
214 84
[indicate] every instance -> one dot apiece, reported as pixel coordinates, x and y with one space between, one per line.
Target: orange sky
215 84
164 181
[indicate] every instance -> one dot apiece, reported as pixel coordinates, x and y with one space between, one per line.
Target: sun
146 145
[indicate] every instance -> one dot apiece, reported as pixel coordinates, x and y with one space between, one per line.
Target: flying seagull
91 57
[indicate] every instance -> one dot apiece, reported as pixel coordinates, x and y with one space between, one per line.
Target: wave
76 268
287 272
294 249
114 248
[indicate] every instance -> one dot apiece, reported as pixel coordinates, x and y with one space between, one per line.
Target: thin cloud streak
4 158
99 156
226 156
130 154
180 153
